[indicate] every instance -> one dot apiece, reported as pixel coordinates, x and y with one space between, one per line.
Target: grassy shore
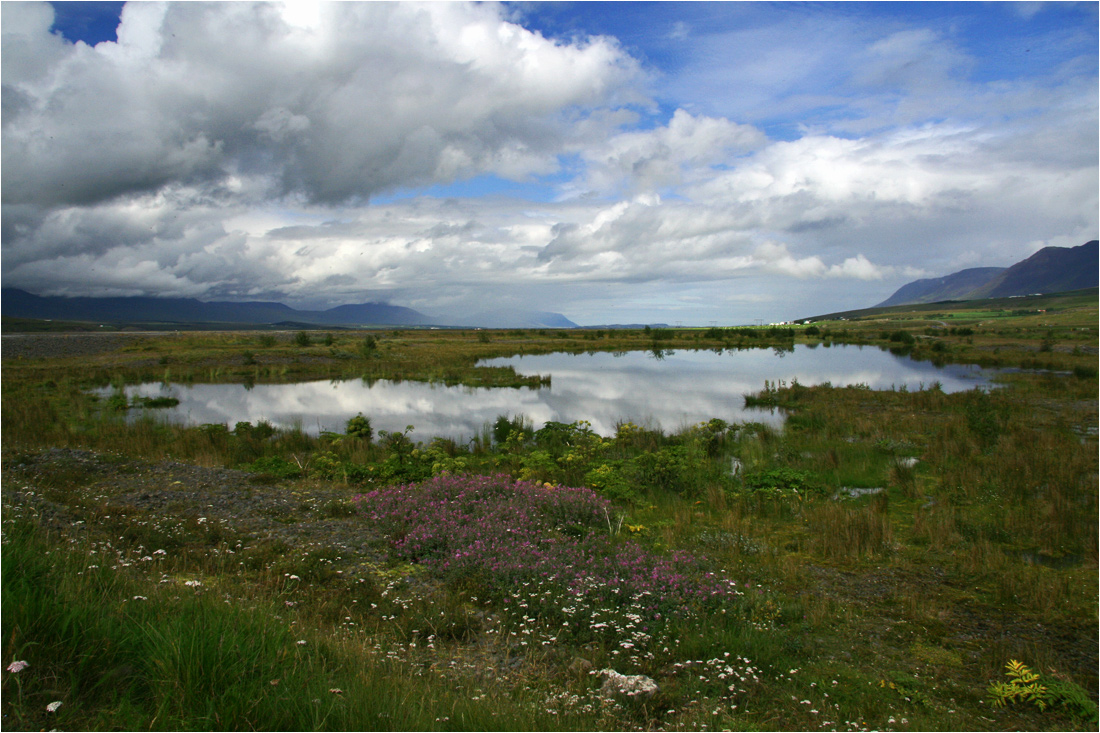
877 564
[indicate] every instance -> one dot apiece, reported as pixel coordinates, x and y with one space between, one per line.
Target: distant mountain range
146 310
1050 270
514 319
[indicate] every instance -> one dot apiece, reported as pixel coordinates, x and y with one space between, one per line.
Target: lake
667 391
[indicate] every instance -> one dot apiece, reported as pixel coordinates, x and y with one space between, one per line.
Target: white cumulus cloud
365 98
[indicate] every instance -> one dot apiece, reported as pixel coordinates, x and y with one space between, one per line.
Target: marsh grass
935 526
837 531
899 605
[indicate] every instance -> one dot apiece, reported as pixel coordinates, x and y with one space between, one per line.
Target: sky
681 163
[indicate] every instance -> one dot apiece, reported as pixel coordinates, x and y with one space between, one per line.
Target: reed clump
837 531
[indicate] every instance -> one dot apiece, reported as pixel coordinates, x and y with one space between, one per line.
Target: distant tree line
774 332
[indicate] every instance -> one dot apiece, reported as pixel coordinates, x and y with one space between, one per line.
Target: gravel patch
63 345
66 487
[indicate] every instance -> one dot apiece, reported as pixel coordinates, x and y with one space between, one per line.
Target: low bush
359 427
275 467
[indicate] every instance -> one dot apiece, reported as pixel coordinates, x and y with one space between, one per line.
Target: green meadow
888 560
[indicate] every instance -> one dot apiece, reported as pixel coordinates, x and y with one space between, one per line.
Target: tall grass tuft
837 531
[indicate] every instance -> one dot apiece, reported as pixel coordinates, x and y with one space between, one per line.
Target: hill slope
1050 270
951 287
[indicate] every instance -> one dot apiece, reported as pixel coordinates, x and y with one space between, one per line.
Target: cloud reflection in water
681 388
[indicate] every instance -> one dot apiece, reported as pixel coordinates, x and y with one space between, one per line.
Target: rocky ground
64 487
59 346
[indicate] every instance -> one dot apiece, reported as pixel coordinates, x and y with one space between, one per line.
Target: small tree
301 338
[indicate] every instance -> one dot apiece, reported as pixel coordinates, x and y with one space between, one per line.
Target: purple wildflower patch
503 532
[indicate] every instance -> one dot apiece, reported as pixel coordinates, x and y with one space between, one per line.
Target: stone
580 666
849 492
628 686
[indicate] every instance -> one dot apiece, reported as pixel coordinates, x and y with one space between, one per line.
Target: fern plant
1023 684
1073 699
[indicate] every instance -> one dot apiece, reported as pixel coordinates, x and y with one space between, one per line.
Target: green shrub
359 427
325 465
518 428
538 465
301 338
1073 699
275 467
557 437
662 470
609 480
260 431
1084 372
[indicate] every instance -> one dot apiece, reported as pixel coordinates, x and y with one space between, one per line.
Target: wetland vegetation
903 559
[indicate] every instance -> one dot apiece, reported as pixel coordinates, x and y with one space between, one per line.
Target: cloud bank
446 156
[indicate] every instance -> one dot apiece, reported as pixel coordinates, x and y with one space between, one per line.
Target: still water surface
678 389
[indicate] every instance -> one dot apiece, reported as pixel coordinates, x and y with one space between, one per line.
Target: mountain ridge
22 304
1050 270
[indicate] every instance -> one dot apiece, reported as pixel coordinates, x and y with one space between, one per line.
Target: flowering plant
506 532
